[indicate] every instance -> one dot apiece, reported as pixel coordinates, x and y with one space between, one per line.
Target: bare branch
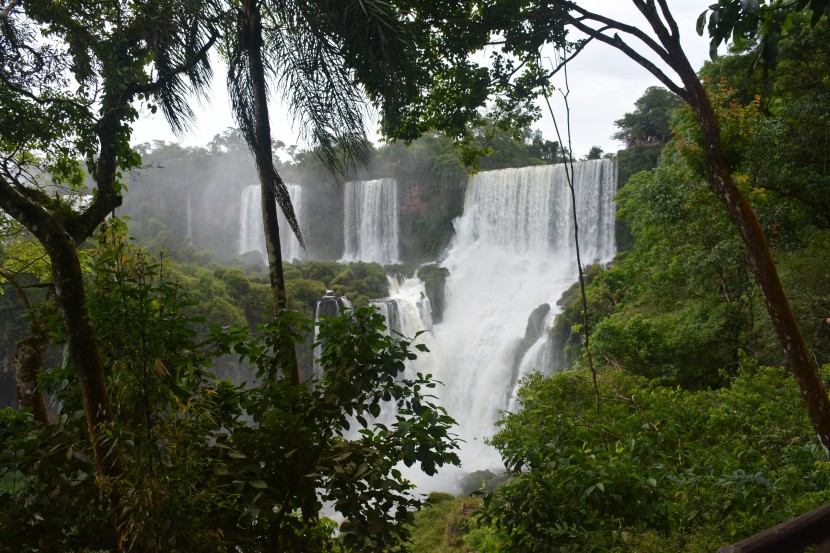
649 11
559 65
625 48
7 9
667 15
636 32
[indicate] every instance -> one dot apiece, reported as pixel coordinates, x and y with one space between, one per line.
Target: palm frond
241 92
319 90
179 35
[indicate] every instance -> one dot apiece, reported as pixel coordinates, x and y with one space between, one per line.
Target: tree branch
23 210
649 11
650 43
675 32
7 9
10 277
160 83
622 46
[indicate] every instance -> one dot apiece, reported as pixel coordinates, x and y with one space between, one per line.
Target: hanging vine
567 160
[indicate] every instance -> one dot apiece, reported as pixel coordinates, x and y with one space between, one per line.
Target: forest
208 349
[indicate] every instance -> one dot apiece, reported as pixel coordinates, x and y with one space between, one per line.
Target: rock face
534 331
328 306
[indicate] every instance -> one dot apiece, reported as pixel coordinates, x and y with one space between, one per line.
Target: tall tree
650 122
665 43
325 58
518 72
69 98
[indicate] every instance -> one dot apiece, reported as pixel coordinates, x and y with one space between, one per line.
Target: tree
650 122
667 46
212 465
323 59
70 98
22 261
518 73
594 153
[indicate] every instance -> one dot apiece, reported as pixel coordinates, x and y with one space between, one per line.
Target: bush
654 464
206 465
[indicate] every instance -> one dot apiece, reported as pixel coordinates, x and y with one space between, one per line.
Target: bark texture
70 296
29 355
269 178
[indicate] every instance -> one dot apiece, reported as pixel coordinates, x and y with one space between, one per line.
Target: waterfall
370 221
291 248
406 310
329 306
250 222
189 235
513 251
251 233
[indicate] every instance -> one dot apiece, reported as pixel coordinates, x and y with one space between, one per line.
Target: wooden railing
809 530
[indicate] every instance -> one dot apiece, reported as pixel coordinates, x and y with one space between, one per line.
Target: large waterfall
251 233
370 221
513 252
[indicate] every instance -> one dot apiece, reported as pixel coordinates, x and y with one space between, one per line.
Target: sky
603 84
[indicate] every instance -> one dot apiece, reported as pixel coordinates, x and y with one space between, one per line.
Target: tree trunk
268 176
70 296
29 355
799 358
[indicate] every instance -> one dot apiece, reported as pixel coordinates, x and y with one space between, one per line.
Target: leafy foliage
214 466
683 468
651 119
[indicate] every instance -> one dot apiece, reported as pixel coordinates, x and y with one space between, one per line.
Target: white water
329 306
189 235
407 310
370 221
513 250
251 232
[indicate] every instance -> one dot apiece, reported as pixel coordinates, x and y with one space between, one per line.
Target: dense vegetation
207 459
697 441
199 437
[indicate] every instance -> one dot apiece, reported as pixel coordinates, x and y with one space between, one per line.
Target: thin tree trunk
799 358
268 176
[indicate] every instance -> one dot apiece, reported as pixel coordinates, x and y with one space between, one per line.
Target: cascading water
406 310
329 306
189 235
513 251
370 221
251 233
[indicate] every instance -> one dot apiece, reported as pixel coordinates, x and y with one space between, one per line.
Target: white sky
603 84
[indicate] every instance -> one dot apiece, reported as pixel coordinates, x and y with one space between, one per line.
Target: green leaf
701 23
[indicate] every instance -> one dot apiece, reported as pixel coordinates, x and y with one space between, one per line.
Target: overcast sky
603 86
